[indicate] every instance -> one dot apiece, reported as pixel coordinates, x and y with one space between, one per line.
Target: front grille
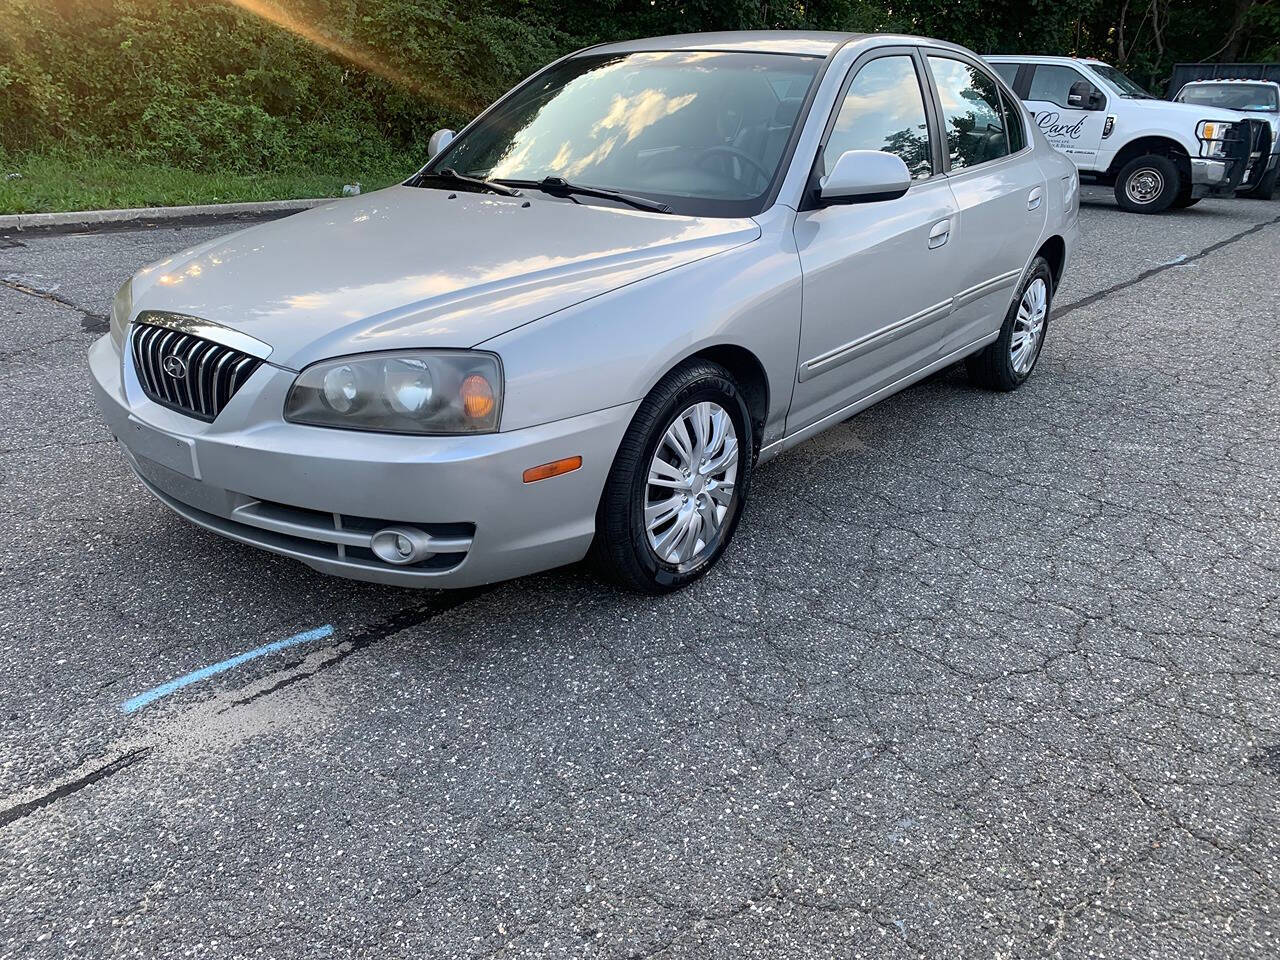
187 373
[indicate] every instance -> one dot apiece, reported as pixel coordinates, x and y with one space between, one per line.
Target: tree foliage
253 84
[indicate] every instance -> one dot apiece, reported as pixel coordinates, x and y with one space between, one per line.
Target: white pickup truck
1156 154
1256 99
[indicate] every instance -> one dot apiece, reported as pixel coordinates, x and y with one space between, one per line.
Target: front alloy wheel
678 482
691 484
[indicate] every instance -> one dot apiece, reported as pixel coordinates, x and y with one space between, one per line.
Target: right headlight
1213 137
404 391
121 308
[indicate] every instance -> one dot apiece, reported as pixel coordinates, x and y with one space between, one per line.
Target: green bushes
208 86
203 85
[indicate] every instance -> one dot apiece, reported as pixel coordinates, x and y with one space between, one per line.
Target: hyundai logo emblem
174 366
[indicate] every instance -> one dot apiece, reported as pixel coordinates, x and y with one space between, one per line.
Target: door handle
940 233
1034 198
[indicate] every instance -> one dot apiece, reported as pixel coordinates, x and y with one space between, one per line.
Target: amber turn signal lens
552 469
477 397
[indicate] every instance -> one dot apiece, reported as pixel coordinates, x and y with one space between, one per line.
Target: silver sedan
585 321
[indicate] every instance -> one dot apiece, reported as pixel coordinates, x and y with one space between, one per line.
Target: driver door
1069 109
878 276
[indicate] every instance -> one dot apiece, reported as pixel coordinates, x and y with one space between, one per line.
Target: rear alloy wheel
678 483
1006 363
1148 184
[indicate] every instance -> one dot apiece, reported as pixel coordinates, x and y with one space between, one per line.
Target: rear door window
1015 116
971 113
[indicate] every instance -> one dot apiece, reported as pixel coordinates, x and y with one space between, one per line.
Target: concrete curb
141 216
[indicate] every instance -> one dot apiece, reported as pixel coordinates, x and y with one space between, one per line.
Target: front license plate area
176 453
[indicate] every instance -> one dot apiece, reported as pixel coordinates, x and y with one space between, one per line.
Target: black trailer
1184 73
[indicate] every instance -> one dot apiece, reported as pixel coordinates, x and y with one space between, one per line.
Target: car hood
1272 120
1191 111
413 267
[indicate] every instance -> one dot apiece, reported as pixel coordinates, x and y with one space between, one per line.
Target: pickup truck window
1008 72
1235 96
1052 83
883 109
971 111
1123 85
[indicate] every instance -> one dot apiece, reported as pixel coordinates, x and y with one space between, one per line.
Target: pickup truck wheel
1266 188
1006 363
1148 184
678 482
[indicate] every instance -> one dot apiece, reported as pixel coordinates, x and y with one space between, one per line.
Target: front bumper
1214 178
318 494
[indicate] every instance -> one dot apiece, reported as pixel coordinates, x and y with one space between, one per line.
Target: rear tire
654 537
1004 364
1148 184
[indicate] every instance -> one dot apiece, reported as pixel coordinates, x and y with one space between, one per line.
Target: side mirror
1083 95
860 176
439 140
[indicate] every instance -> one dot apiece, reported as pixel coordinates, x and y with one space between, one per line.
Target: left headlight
121 307
404 391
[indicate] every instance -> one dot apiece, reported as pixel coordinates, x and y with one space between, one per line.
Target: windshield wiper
450 175
560 187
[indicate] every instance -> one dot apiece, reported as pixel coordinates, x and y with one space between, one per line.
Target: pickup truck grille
188 373
1261 136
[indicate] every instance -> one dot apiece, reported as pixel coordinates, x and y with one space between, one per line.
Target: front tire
1148 184
1266 188
1007 363
678 483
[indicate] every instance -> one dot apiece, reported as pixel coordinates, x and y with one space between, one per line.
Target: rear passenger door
999 189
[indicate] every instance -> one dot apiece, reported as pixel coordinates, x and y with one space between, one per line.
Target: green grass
54 183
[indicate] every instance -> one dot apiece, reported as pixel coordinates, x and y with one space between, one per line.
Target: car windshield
1231 96
1122 84
704 132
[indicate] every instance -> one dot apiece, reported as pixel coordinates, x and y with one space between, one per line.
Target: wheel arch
1157 145
1054 251
747 372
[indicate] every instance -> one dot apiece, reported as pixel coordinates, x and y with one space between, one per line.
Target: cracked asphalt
981 676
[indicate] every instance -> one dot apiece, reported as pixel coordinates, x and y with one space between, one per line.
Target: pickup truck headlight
121 308
405 391
1213 137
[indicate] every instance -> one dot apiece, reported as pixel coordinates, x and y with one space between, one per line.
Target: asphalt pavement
981 676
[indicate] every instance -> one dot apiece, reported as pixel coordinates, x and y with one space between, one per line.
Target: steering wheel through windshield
740 158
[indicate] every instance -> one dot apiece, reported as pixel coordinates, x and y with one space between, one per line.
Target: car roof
1032 58
813 43
1265 83
819 43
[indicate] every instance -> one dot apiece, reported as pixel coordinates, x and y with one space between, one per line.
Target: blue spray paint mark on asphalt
155 693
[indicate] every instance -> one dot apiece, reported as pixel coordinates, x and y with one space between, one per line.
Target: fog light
401 545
